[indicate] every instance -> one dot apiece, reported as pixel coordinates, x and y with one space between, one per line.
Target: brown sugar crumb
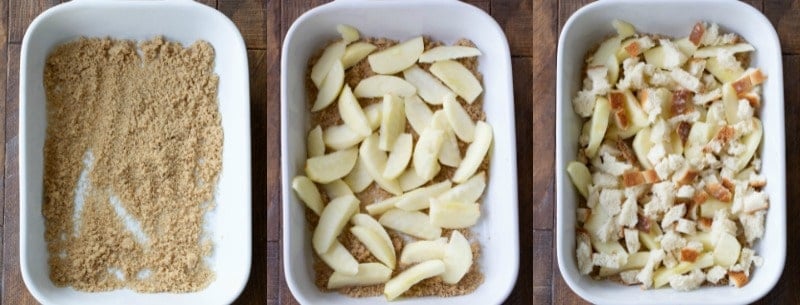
132 156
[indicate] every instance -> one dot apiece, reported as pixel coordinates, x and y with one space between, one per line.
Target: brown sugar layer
132 156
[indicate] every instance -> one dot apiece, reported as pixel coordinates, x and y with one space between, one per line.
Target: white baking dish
586 28
229 223
442 20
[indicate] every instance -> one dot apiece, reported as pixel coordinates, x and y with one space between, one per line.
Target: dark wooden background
532 28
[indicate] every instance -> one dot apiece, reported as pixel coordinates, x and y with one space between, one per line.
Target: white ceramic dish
586 28
497 230
229 223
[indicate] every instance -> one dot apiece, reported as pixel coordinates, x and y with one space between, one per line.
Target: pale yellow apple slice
475 153
457 258
364 220
329 167
396 58
340 137
751 142
368 274
428 87
419 199
730 102
726 250
458 78
337 188
423 250
459 119
662 276
308 193
356 52
332 220
606 49
448 52
426 152
330 88
375 163
399 156
449 154
417 113
359 178
624 29
409 277
723 73
374 114
641 147
599 125
348 32
381 207
712 51
453 214
326 61
410 180
314 144
580 176
393 121
339 259
376 245
469 191
414 223
613 69
635 112
698 137
380 85
352 114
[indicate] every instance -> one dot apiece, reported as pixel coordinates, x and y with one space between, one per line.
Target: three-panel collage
433 152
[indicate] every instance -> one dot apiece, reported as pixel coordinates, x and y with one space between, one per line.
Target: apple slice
423 250
337 188
315 146
399 156
580 176
606 49
599 125
368 274
339 259
410 180
403 281
730 102
339 137
380 85
326 61
376 245
326 168
359 178
714 50
331 222
419 199
381 207
356 52
448 52
393 121
751 142
698 137
364 220
641 147
469 191
459 119
331 87
417 113
414 223
308 193
449 154
396 58
428 87
349 33
458 78
624 29
375 163
453 214
374 113
352 114
457 258
723 73
475 153
426 152
726 250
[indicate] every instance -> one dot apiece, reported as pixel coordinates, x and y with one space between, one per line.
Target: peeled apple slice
399 156
624 29
751 142
410 180
641 147
396 58
308 193
368 274
458 78
341 137
356 52
475 153
448 52
459 119
449 154
375 163
337 188
419 199
417 113
580 176
330 87
340 260
599 124
726 250
393 121
414 223
378 247
423 250
352 114
381 207
606 49
428 87
698 137
722 73
368 222
349 33
730 102
359 178
374 113
326 168
457 258
326 61
314 144
469 191
453 214
426 152
403 281
331 222
380 85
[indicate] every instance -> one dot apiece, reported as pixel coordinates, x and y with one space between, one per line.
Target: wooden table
532 28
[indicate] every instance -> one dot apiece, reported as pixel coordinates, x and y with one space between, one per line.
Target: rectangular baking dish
442 20
229 223
587 28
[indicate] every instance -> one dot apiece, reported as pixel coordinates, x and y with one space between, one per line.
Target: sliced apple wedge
356 52
606 49
396 58
331 87
352 114
449 154
714 50
368 274
458 78
326 61
730 102
726 250
469 191
339 259
580 176
426 152
376 245
624 29
599 125
403 281
364 220
393 121
332 220
315 146
359 178
414 223
698 137
423 250
380 85
457 258
453 214
725 74
381 207
339 137
375 163
417 113
349 33
751 142
374 114
419 199
475 153
428 87
641 147
410 180
447 53
399 156
326 168
308 193
459 119
337 188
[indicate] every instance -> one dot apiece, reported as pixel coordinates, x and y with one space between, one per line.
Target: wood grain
273 119
785 17
515 17
3 79
250 17
21 13
545 38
